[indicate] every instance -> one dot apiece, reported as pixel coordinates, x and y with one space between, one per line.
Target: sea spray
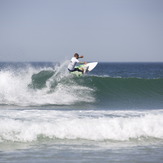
16 87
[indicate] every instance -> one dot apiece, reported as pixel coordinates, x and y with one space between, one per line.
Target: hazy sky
101 30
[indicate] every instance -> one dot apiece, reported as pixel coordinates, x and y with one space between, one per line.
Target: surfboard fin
86 69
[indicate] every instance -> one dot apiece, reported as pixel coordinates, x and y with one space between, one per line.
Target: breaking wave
41 86
32 86
37 125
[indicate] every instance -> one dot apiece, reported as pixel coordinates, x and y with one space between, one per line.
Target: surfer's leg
80 70
76 69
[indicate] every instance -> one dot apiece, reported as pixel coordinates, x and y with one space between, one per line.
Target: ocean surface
112 114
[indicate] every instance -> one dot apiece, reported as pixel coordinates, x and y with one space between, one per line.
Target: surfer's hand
82 56
85 62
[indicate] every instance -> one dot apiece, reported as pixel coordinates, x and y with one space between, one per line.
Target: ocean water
112 114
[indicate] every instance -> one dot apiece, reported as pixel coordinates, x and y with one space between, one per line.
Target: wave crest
46 86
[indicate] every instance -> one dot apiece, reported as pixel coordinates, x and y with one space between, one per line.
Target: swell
127 86
127 91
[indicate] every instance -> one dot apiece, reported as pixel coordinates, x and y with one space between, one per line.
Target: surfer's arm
82 62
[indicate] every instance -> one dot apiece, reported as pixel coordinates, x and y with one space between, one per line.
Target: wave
37 125
21 88
55 86
132 91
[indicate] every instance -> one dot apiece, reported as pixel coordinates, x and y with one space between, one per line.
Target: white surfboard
90 66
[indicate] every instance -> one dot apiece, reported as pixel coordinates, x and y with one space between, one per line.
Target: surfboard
87 68
91 65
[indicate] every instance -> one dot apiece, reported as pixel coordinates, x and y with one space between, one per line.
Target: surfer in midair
74 61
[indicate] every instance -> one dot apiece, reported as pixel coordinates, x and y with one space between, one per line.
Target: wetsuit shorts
75 69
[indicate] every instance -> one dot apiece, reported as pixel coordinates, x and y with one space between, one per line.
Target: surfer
74 61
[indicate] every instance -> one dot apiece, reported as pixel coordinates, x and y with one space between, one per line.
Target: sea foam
15 90
31 125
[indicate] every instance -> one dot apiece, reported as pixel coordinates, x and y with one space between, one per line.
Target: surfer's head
76 55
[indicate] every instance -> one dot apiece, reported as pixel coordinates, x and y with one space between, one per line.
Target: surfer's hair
76 55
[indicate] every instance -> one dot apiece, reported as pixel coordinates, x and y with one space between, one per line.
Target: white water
45 134
14 88
31 125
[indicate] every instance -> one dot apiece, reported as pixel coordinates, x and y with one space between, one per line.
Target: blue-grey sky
101 30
